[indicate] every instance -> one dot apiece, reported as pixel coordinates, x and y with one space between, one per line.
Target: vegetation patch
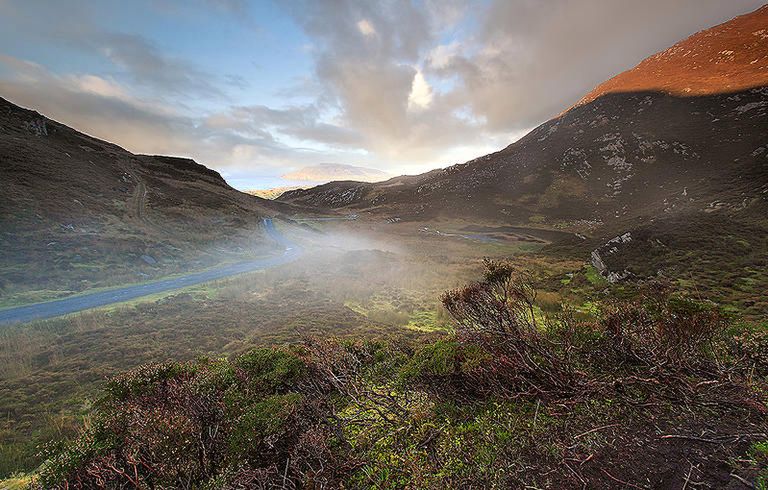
515 397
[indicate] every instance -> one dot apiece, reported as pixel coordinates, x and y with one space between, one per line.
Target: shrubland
660 390
51 371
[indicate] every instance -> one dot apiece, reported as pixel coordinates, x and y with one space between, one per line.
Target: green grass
19 481
427 321
594 277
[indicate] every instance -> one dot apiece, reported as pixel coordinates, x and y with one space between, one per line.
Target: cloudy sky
259 89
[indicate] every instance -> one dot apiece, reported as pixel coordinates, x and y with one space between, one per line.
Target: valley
584 308
385 282
26 313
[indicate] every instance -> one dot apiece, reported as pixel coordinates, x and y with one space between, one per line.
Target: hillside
731 57
77 212
641 154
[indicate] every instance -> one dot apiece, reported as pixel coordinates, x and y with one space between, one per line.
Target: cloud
421 93
140 60
443 54
365 27
403 85
326 172
299 122
530 60
107 110
146 65
367 59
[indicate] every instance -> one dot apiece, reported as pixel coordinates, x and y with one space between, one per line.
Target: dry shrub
499 315
663 330
659 334
752 347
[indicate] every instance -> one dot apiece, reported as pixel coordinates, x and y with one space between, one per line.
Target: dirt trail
137 205
140 200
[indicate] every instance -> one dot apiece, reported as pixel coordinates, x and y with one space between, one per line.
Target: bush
503 402
663 329
759 455
176 425
753 347
268 370
258 426
499 316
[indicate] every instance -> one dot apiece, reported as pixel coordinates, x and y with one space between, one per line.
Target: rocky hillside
647 141
674 152
622 156
82 212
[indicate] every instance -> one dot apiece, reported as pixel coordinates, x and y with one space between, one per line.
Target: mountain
673 153
326 172
600 157
77 212
272 193
728 58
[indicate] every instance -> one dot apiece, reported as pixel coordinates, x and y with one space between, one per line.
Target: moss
442 358
270 370
426 321
261 420
594 277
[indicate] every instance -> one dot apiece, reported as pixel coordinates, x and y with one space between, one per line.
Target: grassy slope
79 213
50 369
442 413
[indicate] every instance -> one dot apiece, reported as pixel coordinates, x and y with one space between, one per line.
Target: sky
258 89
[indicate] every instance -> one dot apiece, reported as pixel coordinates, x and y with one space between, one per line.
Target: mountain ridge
83 212
325 172
734 54
659 166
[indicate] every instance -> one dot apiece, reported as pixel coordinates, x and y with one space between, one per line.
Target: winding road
82 302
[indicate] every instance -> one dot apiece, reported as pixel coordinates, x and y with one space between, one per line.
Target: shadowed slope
78 212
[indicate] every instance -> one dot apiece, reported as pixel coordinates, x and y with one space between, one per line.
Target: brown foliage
661 330
499 315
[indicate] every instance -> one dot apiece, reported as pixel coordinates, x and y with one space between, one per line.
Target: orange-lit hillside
730 57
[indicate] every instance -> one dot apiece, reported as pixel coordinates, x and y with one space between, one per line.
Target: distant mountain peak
327 172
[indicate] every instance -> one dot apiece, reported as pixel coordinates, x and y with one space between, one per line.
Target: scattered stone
609 248
37 127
